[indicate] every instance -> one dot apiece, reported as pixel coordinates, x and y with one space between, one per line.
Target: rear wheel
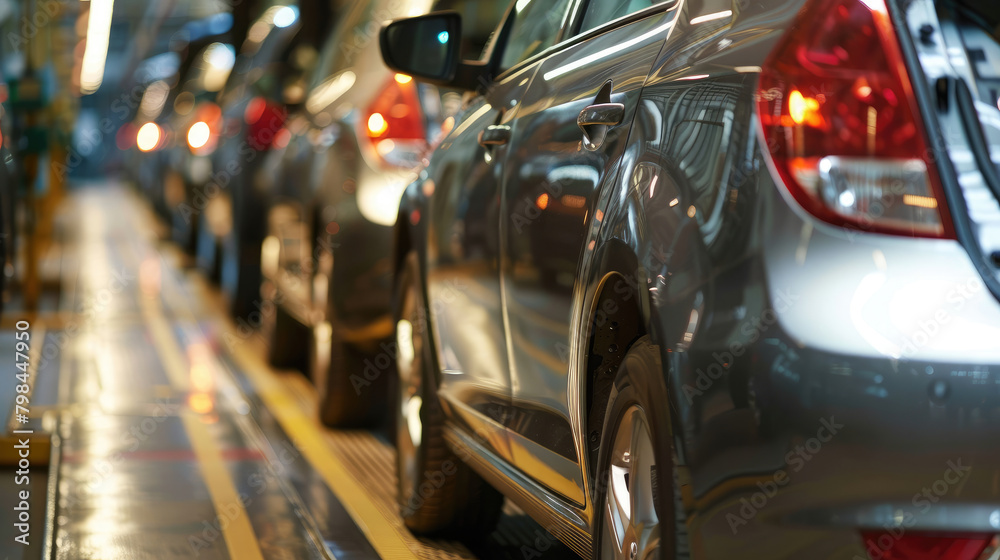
352 383
288 339
438 493
640 516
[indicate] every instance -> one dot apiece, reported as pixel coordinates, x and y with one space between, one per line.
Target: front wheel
438 493
639 512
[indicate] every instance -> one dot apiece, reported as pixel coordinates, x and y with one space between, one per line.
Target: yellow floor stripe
307 435
237 532
171 355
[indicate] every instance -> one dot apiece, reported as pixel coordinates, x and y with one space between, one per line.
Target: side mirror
425 47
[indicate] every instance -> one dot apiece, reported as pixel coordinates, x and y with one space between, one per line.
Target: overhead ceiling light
95 53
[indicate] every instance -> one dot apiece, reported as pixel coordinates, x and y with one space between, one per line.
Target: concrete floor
172 438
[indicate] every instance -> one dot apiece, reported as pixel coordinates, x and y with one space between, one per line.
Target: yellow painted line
237 532
307 434
163 336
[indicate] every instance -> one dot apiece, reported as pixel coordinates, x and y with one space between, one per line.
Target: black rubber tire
639 381
447 498
354 386
288 340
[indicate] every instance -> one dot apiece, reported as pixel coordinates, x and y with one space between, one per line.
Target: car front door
571 131
464 244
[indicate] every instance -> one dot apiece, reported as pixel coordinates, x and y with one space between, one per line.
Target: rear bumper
852 384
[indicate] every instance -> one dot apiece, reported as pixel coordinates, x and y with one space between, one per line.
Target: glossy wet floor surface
171 437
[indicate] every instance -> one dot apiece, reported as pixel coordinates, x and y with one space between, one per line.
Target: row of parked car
697 278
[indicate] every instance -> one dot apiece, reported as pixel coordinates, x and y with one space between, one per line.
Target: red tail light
886 546
841 122
265 119
394 123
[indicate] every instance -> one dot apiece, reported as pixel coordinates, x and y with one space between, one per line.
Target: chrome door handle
595 120
606 114
494 135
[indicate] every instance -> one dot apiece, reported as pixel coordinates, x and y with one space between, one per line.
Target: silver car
708 279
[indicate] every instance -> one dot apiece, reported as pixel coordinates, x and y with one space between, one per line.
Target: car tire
288 340
351 384
438 494
635 453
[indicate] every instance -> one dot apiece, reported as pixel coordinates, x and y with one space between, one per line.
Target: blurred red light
887 546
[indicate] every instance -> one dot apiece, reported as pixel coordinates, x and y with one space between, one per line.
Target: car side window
536 27
600 12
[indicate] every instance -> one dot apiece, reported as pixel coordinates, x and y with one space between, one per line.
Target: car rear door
571 131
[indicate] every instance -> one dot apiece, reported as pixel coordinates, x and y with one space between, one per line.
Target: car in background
335 187
196 126
163 79
707 279
265 85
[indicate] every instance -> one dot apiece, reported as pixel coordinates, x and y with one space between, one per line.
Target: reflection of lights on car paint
875 5
443 37
694 77
270 256
148 137
674 202
329 91
403 79
521 5
377 124
542 202
385 147
378 200
711 17
692 211
285 16
846 199
198 135
589 60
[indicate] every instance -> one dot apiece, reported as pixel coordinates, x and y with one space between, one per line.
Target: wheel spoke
630 529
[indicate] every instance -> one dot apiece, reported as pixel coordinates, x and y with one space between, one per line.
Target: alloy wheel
631 528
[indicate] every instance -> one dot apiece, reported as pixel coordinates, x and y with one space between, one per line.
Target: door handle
606 114
595 120
494 135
